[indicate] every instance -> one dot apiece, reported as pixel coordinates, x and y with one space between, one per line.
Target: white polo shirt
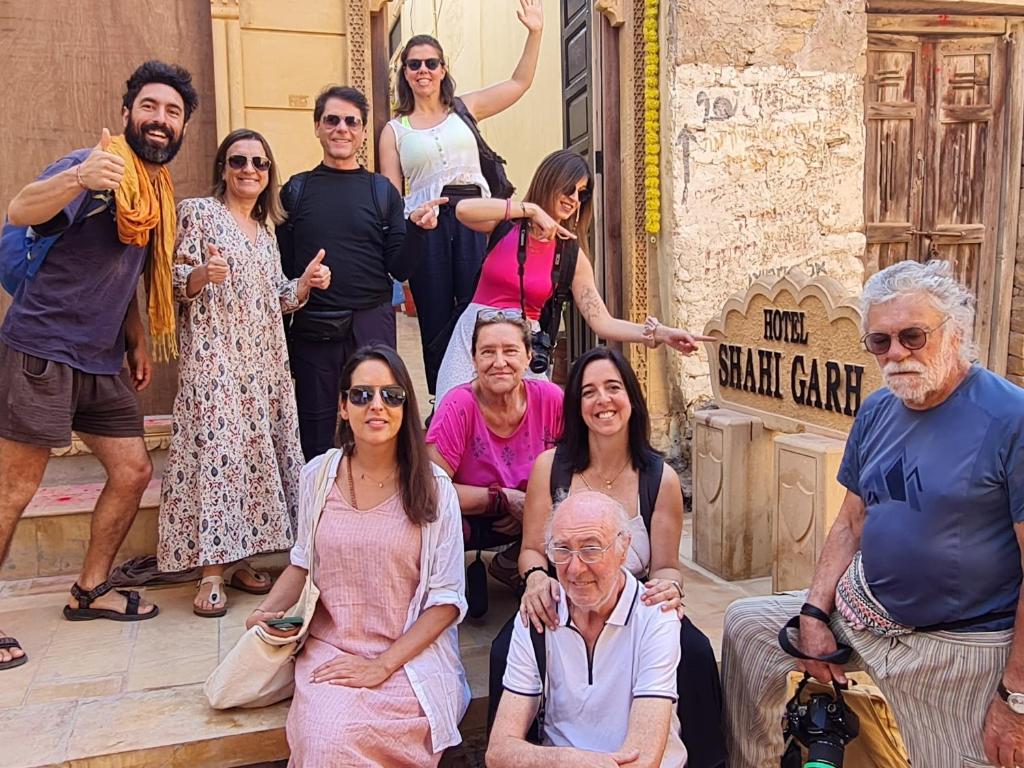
588 699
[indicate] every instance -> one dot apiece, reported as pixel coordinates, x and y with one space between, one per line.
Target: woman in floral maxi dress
230 488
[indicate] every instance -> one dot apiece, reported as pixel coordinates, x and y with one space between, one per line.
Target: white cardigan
436 674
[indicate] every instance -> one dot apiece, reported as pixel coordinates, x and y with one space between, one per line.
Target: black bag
492 165
321 325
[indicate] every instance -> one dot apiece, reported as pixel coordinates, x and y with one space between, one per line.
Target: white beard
914 390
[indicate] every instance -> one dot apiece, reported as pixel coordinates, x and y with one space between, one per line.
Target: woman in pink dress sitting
379 680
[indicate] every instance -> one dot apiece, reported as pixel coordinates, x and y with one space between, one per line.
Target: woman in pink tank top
557 205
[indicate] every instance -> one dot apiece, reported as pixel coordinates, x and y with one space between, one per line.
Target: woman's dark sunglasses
238 162
583 195
912 339
333 121
393 395
415 64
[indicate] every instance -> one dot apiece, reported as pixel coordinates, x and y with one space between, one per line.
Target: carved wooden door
934 164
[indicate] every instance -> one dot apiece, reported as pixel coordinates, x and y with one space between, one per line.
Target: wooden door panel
895 114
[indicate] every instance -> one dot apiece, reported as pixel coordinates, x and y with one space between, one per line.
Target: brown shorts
42 401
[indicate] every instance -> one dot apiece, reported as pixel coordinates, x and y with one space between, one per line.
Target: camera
541 344
823 724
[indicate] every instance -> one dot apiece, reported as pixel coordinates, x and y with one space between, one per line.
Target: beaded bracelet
650 331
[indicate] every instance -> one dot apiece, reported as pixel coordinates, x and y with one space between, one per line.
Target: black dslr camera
823 724
541 347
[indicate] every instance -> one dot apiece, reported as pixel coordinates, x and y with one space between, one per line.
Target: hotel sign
789 351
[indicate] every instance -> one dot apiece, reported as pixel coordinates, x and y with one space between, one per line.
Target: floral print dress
230 488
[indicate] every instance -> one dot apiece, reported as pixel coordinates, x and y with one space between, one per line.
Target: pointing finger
436 202
565 233
703 338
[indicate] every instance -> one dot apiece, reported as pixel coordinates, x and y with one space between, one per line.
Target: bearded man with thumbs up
357 218
65 338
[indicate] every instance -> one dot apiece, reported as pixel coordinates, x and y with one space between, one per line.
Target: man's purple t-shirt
478 456
73 310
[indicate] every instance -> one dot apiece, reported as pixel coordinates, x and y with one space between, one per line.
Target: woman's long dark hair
574 442
268 204
415 475
406 98
557 172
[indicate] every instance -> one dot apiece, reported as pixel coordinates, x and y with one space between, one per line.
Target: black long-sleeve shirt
336 212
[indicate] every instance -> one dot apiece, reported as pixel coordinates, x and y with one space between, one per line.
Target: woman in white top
429 146
379 680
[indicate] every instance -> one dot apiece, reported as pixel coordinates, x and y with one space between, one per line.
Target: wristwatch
1015 701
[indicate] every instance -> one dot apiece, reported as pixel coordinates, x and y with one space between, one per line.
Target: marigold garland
652 120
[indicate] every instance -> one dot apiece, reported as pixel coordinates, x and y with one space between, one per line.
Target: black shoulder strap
563 269
540 652
650 484
498 233
377 191
296 187
561 472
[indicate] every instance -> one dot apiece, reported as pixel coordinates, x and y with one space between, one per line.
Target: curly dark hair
179 78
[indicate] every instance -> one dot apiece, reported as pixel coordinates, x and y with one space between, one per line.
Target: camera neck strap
524 233
558 284
839 656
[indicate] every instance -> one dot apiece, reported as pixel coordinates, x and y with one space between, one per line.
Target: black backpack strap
650 484
540 652
378 191
561 472
563 270
292 192
497 234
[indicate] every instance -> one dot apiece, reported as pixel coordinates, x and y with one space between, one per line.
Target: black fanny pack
321 325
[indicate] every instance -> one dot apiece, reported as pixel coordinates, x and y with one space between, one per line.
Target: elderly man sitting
606 703
921 571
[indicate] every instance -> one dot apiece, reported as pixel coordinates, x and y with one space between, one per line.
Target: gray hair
618 511
934 278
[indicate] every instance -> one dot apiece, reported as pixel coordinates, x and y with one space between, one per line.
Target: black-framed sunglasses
238 162
333 121
583 195
499 316
393 396
912 338
415 64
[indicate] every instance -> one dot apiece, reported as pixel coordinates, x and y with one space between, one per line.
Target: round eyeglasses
912 338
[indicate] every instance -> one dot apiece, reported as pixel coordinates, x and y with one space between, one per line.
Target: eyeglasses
415 64
583 195
588 555
393 396
238 162
912 338
333 121
499 316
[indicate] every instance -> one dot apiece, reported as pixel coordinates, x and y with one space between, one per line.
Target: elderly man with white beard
921 571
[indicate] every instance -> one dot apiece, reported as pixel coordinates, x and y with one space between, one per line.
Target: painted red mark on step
943 18
64 498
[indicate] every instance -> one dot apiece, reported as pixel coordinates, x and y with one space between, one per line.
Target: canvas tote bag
260 669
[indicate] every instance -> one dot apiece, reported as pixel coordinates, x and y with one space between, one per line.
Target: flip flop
217 598
84 613
10 642
231 576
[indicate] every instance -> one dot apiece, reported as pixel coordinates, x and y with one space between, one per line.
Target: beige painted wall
763 153
483 40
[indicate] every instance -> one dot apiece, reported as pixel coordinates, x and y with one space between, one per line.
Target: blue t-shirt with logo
943 489
73 310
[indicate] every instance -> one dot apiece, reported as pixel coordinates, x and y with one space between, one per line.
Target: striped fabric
939 684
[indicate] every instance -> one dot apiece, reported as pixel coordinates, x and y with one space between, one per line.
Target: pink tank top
499 278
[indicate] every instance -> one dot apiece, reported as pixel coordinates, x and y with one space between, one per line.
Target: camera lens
824 754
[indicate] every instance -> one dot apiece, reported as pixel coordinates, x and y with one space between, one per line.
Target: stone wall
763 154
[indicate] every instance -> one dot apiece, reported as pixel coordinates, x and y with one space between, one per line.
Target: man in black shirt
357 218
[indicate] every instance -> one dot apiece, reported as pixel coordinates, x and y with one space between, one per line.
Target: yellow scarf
145 206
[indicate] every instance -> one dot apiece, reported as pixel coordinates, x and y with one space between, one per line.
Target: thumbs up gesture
102 169
316 275
216 265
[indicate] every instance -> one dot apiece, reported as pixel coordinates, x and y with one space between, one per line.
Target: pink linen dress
367 581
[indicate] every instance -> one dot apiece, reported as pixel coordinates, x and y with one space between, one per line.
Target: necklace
364 477
607 483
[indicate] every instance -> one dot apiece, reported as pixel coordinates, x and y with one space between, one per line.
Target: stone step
75 463
52 535
130 694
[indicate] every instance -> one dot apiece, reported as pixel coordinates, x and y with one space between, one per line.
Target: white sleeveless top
433 157
638 559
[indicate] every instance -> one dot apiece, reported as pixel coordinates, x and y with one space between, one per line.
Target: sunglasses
393 396
583 195
415 64
499 316
912 338
333 121
238 162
